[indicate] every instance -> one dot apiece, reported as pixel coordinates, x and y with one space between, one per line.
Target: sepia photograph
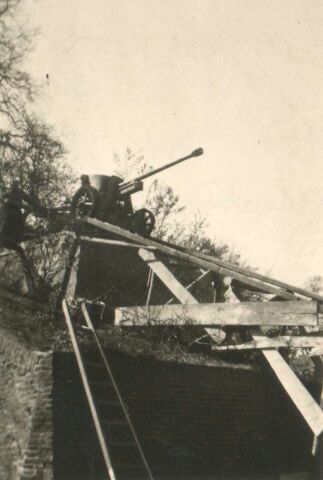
161 231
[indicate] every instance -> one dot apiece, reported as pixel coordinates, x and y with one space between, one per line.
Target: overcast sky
242 79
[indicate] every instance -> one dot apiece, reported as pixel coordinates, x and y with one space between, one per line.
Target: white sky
240 78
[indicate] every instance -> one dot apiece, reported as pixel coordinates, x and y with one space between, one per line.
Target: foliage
49 256
315 284
130 165
164 203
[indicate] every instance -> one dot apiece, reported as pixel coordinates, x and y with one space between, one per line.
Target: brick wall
193 421
26 411
231 421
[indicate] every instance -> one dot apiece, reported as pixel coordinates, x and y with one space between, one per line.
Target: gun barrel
195 153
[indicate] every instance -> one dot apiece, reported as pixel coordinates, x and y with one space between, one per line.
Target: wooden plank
284 341
171 282
300 396
117 243
318 362
258 276
72 270
215 314
5 254
317 448
303 400
317 351
166 276
206 264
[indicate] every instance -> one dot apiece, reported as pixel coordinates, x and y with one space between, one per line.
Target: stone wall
26 411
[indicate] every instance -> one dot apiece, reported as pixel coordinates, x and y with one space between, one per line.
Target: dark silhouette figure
15 205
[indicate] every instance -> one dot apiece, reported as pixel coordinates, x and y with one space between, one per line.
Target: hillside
38 328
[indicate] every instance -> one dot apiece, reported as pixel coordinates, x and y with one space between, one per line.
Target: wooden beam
171 282
301 397
216 314
206 264
5 254
258 276
284 341
193 283
318 362
72 270
117 243
317 351
203 275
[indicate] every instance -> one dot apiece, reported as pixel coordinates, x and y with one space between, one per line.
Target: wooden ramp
302 309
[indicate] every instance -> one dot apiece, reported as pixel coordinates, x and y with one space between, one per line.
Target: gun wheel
84 202
144 221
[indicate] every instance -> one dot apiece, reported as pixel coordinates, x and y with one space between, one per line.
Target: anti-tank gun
108 198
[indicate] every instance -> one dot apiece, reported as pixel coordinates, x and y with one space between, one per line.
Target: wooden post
301 397
219 288
29 272
317 449
177 289
318 468
70 276
303 400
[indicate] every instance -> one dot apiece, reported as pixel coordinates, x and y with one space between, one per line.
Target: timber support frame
253 316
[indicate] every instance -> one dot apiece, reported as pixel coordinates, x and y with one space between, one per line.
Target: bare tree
30 151
16 85
34 156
